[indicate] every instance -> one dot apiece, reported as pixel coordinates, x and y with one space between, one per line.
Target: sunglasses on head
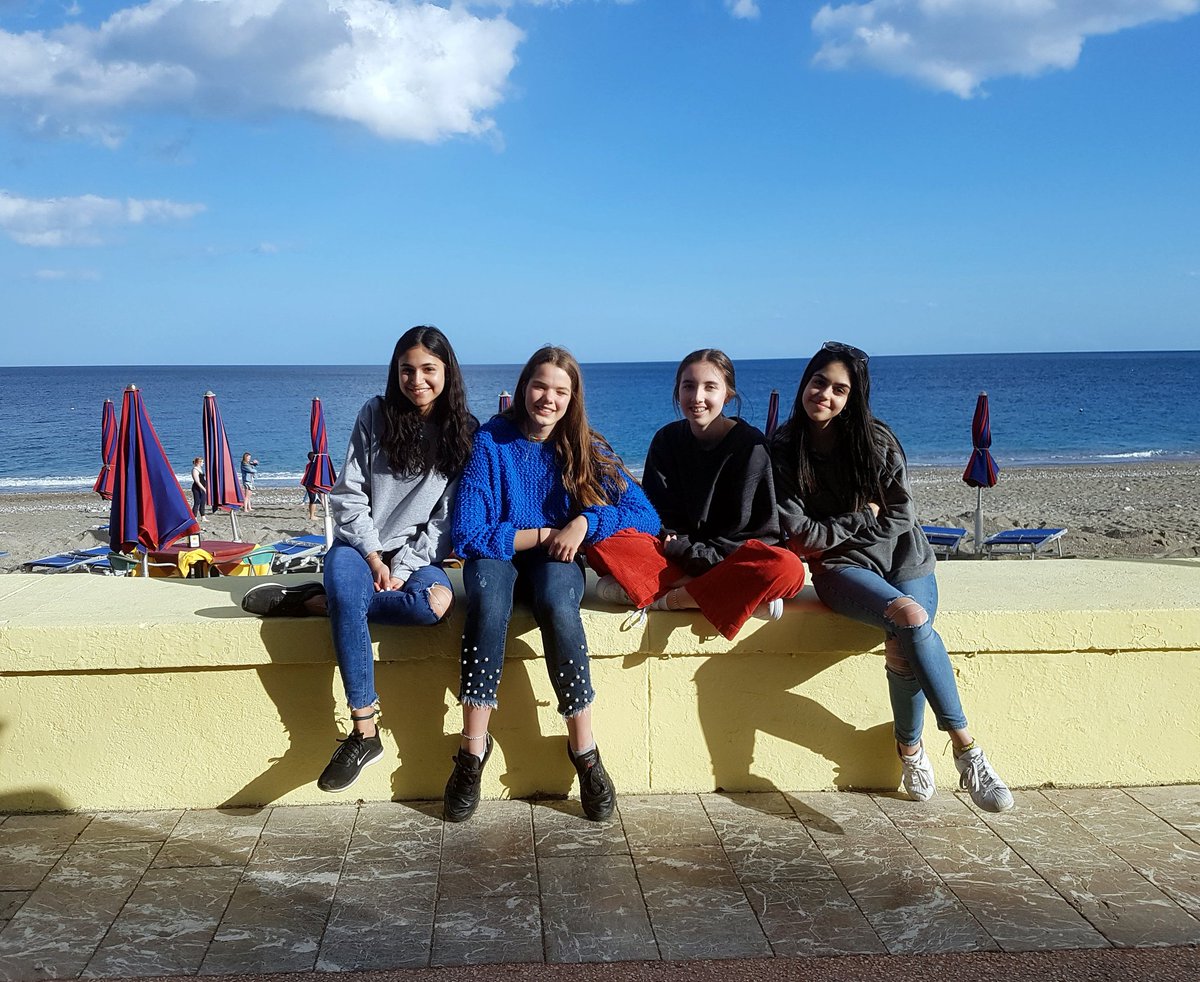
846 349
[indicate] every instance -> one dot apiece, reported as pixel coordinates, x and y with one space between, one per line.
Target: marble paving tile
838 815
492 855
745 803
491 930
703 922
942 810
593 911
10 903
213 837
167 923
1179 805
911 909
383 925
816 918
393 841
559 829
664 821
1124 907
319 821
685 867
763 846
30 845
59 927
1043 835
147 826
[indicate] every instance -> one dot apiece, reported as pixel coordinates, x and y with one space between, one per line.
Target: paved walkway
381 886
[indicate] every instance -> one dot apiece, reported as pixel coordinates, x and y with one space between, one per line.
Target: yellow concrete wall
120 693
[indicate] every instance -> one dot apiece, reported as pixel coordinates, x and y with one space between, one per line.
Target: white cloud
956 45
404 69
746 9
55 275
81 220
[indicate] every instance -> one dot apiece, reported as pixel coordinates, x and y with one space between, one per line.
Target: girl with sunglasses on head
391 507
709 477
540 486
846 505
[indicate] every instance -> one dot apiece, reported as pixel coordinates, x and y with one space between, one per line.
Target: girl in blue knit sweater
539 487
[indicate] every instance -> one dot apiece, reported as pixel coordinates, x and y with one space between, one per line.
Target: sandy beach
1111 511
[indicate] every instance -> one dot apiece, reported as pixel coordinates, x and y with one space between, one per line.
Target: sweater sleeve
756 515
897 511
480 529
350 499
816 535
657 483
432 542
631 511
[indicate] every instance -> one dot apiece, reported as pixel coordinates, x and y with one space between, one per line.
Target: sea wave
84 482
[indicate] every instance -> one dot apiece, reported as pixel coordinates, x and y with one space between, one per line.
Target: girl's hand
565 542
382 575
874 508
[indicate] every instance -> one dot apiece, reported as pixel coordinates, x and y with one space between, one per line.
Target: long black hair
862 439
408 451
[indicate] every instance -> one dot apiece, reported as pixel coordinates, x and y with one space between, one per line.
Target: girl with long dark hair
708 476
541 485
846 504
392 507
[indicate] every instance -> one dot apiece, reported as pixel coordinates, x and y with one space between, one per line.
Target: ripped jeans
554 589
353 603
863 596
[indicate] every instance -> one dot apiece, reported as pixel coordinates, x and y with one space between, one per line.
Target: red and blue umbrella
772 414
149 508
505 401
224 488
981 471
319 477
108 451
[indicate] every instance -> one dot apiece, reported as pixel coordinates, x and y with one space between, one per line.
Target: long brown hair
585 459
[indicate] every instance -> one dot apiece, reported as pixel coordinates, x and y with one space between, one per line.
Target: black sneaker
276 600
348 761
462 790
596 789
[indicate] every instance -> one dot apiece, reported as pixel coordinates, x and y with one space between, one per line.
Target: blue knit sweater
512 483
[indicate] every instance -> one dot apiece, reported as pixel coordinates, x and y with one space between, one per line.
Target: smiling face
826 394
422 376
547 396
702 395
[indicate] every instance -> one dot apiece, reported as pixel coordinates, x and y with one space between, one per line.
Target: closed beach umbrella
224 487
505 401
108 450
772 414
981 471
319 477
149 508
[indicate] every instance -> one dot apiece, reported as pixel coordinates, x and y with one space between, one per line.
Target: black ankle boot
462 790
596 789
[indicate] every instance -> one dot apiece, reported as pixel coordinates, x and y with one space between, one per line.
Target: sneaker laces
352 745
634 619
978 776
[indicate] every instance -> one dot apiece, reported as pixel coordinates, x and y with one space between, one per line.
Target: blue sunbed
300 553
1022 540
945 538
67 562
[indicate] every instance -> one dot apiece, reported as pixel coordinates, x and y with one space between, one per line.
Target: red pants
727 594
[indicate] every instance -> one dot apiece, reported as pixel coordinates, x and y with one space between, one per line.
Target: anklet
465 737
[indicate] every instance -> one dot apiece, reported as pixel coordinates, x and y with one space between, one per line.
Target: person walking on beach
249 473
708 476
847 508
540 485
199 488
392 507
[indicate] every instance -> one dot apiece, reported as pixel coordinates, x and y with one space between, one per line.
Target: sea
1046 409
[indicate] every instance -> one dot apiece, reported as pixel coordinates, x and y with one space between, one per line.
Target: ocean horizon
1047 409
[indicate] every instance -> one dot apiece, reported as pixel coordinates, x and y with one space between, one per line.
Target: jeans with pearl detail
554 589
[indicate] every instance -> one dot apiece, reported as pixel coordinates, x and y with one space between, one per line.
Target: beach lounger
299 554
1022 540
67 562
945 539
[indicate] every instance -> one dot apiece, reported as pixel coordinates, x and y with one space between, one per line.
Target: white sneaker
917 775
775 609
610 591
977 777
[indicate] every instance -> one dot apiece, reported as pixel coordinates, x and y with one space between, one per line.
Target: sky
299 181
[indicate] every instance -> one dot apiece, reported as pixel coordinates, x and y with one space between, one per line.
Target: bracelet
373 553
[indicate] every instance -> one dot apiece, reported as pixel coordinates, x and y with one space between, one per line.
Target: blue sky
297 181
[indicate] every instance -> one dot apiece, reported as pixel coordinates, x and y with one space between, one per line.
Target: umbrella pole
978 521
233 520
328 522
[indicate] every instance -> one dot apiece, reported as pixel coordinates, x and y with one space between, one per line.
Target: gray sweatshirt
377 510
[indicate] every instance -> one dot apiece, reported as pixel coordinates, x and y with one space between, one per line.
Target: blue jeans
863 596
555 590
353 602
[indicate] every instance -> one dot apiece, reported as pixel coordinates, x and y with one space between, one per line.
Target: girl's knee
905 612
440 598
